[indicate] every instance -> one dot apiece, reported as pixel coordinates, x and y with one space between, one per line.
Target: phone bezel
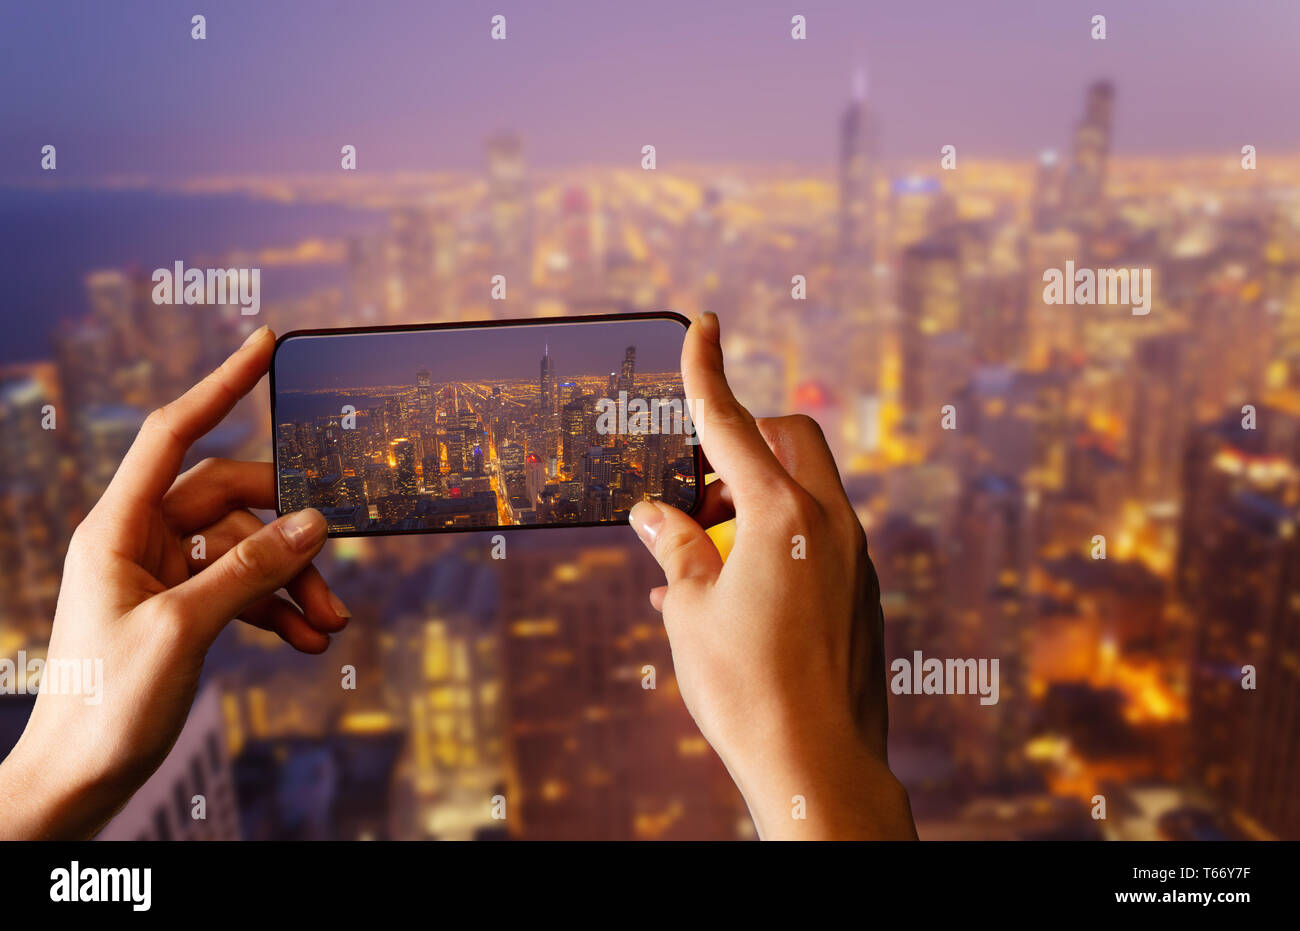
475 325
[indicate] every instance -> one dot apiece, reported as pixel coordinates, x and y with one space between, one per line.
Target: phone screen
556 422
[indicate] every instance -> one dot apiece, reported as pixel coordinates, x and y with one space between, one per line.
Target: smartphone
440 428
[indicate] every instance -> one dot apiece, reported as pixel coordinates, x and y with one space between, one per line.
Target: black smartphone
438 428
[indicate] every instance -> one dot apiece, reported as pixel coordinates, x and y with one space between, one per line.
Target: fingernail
709 325
256 335
339 607
302 529
646 519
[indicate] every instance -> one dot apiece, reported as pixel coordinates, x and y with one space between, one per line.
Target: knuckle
157 418
209 465
168 621
251 562
795 504
807 425
82 535
671 543
160 420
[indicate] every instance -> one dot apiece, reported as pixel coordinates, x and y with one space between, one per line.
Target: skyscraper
1086 184
935 349
424 391
858 154
1236 575
509 212
547 383
412 285
627 375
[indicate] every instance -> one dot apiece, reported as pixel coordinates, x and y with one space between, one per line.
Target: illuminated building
936 355
574 426
424 391
627 374
591 752
510 214
1160 414
1237 577
548 397
918 207
412 285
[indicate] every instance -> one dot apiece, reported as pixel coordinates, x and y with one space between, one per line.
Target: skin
778 659
134 597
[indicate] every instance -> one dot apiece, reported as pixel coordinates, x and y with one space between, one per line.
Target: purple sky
279 87
473 354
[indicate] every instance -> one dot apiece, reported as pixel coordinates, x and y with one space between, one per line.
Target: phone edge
485 324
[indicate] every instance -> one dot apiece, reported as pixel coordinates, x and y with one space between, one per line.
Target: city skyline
1105 503
474 353
442 453
537 81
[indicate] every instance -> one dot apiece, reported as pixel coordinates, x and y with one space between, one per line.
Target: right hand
778 655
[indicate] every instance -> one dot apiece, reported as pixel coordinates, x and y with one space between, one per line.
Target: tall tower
858 155
1086 184
856 325
547 382
627 375
424 391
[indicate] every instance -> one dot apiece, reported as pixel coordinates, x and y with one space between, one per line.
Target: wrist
42 800
818 780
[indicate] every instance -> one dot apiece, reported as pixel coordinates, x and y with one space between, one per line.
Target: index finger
735 447
155 458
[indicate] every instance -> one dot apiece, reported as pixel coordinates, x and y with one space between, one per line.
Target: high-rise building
591 752
548 396
627 374
1160 415
412 283
1045 207
858 156
1085 186
424 392
403 455
509 213
936 353
1237 574
574 430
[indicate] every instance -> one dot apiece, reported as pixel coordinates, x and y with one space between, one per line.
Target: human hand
779 656
136 604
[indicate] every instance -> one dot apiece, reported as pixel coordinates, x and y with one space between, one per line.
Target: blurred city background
776 158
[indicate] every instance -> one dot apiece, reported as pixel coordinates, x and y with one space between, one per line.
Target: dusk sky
480 354
278 87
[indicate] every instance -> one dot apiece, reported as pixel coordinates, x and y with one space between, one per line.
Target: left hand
136 604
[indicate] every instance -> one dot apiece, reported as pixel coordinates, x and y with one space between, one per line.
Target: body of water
50 240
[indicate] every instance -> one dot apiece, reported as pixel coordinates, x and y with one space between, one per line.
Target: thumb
680 545
258 565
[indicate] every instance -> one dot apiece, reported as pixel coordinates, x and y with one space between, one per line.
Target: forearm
39 801
821 783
